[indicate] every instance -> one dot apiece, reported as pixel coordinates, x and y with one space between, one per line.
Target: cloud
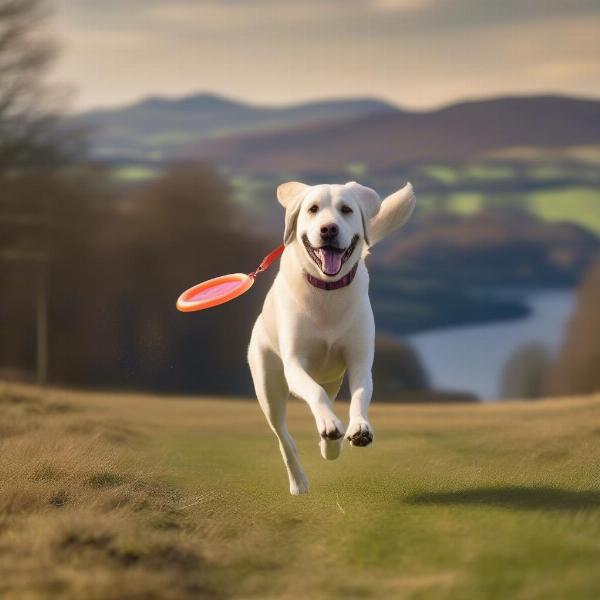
225 15
403 5
218 15
413 52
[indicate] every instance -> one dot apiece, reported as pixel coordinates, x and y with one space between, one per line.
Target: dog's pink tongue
331 260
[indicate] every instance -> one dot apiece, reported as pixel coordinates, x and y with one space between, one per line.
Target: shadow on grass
517 497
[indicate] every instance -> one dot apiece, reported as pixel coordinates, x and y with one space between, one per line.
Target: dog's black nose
329 231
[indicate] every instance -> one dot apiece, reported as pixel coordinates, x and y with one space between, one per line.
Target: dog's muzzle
328 258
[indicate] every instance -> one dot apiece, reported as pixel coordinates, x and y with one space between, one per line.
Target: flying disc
224 288
214 292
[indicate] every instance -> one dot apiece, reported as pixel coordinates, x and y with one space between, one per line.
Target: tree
525 373
27 120
397 369
577 367
177 230
29 139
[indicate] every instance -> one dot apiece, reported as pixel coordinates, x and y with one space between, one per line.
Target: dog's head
329 222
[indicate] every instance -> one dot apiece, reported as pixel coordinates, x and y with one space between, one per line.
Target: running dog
316 322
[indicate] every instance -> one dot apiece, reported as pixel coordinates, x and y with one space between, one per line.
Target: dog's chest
328 314
324 361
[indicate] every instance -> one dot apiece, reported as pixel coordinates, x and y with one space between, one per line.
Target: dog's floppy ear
290 196
395 211
286 192
369 202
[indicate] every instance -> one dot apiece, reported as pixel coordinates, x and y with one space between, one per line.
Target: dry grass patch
82 517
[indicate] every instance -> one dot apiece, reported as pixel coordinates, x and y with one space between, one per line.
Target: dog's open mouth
330 259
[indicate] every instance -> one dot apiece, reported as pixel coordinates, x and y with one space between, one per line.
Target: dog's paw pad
331 428
332 434
360 434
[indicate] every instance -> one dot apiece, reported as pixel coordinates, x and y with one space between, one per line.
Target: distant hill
383 140
160 128
328 135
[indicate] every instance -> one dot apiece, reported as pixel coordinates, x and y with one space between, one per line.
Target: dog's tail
394 212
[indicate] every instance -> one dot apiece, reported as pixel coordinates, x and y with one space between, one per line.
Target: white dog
317 321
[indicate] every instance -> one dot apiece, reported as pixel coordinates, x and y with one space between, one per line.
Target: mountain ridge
463 131
159 124
331 133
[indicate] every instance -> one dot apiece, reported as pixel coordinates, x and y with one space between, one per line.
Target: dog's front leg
360 432
302 385
359 362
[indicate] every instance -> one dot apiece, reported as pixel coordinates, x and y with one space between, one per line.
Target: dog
316 323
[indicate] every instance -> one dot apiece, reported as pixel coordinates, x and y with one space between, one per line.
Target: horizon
325 99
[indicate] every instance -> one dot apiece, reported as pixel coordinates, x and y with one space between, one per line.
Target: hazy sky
416 53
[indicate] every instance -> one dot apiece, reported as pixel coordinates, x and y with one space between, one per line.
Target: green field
131 496
579 205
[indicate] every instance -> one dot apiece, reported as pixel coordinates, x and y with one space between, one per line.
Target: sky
414 53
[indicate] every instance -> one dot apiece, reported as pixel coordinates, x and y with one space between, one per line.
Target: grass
452 174
575 204
569 194
447 174
466 203
134 173
107 495
587 154
487 172
357 169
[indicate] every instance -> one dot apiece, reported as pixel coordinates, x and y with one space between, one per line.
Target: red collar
332 285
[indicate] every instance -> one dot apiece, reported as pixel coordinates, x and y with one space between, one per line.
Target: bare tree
29 139
27 122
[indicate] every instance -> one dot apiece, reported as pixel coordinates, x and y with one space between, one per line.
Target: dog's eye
313 209
346 209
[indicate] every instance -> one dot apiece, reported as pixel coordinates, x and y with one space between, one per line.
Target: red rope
267 261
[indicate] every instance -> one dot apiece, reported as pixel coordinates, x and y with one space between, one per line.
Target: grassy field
131 496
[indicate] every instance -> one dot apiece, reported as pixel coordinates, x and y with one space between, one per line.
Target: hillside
327 135
158 127
460 132
114 495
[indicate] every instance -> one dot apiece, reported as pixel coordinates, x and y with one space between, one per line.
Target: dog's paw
298 486
330 449
359 433
330 427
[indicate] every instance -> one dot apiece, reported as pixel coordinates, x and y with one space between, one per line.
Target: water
471 358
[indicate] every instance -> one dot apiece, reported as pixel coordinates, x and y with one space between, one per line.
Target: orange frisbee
222 289
214 292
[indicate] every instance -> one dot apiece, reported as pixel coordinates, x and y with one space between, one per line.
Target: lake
471 358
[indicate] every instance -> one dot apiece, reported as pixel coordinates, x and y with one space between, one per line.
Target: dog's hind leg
272 393
330 449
